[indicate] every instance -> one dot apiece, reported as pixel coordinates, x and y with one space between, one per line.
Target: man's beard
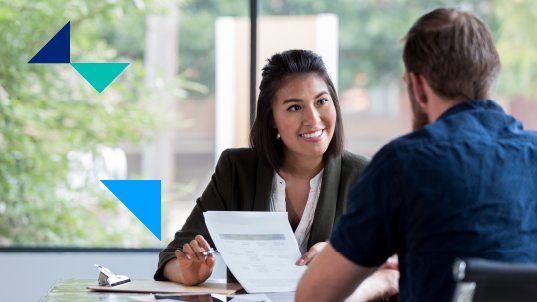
419 118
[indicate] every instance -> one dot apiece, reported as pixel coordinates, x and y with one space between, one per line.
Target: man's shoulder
453 132
411 140
437 133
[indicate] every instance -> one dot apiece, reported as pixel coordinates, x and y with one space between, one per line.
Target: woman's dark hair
275 74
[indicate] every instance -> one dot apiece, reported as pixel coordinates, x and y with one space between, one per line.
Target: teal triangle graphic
99 75
142 198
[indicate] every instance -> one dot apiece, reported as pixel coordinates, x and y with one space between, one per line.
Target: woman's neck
300 166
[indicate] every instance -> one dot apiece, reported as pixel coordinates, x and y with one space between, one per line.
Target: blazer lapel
263 188
325 213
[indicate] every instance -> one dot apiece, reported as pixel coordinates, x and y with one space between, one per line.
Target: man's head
449 57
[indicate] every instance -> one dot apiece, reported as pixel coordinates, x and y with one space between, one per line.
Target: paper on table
238 298
251 298
143 298
142 286
151 297
259 248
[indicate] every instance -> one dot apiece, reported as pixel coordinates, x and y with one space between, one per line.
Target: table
66 290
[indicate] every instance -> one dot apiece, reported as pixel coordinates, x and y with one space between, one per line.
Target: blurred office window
189 81
369 67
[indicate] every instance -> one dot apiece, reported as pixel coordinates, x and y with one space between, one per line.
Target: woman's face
305 115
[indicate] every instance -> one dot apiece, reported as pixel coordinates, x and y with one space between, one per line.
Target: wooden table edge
48 291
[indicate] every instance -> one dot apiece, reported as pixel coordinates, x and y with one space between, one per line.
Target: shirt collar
473 104
313 182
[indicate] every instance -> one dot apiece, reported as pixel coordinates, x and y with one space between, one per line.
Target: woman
296 164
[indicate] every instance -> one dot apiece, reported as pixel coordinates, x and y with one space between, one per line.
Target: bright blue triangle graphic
57 50
142 198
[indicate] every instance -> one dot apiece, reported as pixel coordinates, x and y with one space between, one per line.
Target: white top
302 233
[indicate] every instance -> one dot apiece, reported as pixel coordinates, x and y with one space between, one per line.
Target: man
464 184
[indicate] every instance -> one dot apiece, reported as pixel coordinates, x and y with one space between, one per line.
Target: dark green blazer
242 183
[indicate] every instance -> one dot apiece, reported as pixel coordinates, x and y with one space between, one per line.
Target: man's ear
418 87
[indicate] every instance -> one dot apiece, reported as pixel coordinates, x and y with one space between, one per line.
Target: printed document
251 298
259 248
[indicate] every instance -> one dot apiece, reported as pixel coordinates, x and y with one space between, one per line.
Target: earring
278 135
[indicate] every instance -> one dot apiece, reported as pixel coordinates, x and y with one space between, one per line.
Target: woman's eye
294 108
322 102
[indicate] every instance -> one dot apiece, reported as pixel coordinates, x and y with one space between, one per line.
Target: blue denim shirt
464 186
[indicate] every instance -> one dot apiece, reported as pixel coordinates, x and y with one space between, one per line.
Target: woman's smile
313 136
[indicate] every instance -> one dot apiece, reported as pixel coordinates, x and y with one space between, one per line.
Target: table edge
48 291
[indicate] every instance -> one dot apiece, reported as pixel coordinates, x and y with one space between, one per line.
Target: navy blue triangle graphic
57 50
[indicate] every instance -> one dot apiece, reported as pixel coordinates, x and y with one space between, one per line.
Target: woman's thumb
303 259
211 260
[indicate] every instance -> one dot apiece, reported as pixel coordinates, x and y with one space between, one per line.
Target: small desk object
106 277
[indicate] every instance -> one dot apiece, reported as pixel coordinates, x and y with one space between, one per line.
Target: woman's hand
191 267
383 285
314 250
391 263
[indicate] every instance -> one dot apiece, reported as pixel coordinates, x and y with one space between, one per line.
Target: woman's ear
273 123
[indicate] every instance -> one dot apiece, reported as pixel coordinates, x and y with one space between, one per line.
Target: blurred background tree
517 45
51 119
369 36
369 32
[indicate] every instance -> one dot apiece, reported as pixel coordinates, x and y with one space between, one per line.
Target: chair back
479 280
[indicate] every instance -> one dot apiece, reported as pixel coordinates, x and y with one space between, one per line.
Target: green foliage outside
197 35
49 114
370 33
48 110
517 45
